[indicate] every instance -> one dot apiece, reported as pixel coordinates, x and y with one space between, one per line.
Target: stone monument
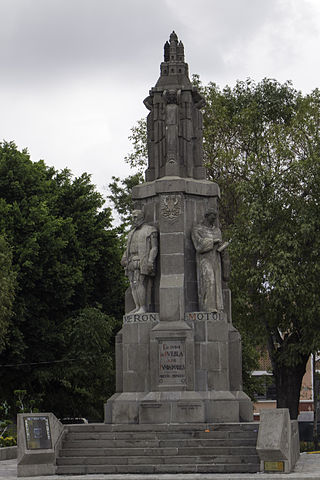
178 356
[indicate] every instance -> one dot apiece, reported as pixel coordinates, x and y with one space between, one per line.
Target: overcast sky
74 73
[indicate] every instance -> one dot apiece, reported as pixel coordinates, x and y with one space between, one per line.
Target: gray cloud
51 40
40 38
73 73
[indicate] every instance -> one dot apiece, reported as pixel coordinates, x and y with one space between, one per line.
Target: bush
307 447
8 442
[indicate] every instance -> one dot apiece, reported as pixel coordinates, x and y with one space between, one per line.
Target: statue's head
211 216
171 96
137 218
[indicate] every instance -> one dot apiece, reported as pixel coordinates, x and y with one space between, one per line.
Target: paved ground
308 468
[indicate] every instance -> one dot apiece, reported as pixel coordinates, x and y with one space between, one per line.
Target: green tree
261 145
7 288
120 195
82 382
66 258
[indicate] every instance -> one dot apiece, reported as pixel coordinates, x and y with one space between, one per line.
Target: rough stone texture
278 438
41 461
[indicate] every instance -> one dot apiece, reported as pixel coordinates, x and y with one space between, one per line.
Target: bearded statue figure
139 259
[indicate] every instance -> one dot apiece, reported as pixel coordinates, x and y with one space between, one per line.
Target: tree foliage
121 197
65 257
261 145
138 156
83 381
7 288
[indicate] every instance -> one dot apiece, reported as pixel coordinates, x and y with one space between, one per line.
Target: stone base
178 407
123 407
184 371
172 407
245 406
278 440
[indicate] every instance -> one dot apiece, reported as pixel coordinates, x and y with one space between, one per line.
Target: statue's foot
133 311
141 310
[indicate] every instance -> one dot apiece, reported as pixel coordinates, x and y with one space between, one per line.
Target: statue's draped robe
206 241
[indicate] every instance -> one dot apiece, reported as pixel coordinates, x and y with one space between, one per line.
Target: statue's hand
207 244
150 268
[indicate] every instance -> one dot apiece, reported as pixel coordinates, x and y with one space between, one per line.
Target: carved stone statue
171 99
139 259
174 123
207 241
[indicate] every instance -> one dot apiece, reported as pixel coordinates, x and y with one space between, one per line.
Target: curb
8 453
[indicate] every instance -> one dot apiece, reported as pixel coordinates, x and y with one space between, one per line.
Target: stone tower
178 356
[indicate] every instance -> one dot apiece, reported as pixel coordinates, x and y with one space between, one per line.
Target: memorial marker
172 362
38 435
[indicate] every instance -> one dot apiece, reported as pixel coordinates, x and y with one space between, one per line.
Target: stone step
195 443
162 427
101 448
158 460
136 451
164 468
93 435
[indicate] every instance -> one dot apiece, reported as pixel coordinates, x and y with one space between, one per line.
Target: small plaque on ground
172 362
38 434
274 466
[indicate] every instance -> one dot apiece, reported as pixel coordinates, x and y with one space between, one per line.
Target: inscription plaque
172 362
274 466
38 435
141 318
198 316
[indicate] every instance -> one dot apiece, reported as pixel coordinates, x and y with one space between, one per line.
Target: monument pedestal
176 364
182 370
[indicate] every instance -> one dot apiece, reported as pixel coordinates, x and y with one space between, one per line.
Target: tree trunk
288 381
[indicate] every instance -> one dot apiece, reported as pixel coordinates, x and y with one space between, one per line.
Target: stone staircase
162 448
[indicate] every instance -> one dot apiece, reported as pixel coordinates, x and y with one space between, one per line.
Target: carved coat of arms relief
171 206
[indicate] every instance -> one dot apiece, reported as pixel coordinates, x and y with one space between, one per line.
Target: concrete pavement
308 468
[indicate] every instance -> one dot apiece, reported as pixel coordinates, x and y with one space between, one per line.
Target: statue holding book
212 262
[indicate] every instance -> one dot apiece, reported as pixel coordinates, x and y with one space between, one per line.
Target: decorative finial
173 37
173 50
